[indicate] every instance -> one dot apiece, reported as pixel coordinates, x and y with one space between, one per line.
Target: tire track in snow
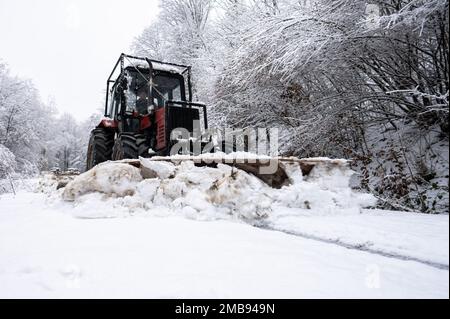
360 247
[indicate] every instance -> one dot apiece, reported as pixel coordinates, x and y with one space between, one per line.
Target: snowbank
207 193
109 178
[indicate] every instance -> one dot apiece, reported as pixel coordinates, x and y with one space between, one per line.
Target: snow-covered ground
414 236
191 232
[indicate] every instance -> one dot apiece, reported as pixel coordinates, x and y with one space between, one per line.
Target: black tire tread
101 145
130 146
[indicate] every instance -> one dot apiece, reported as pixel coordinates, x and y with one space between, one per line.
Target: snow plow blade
275 171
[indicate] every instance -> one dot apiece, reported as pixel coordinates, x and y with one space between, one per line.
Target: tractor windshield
164 88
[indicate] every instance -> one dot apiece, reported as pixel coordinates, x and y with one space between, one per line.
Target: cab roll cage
121 62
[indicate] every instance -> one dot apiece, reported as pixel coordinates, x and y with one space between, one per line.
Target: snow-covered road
46 252
410 236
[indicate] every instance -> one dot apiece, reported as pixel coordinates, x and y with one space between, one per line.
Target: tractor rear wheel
100 147
129 146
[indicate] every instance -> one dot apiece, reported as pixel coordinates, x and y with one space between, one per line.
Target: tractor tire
100 147
129 146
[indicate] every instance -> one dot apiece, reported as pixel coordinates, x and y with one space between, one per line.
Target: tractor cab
144 94
145 86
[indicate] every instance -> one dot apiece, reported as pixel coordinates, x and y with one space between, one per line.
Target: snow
218 157
156 66
182 231
7 161
238 156
46 253
224 192
406 235
320 205
152 169
168 68
108 178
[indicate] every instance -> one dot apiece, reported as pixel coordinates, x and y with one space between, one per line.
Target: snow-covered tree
33 137
22 116
182 34
366 81
7 162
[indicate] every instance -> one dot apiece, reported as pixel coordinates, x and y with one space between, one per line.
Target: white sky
68 48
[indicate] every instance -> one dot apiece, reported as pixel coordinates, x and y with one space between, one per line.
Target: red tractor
145 102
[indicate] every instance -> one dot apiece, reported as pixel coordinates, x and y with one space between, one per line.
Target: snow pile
161 170
47 183
207 193
109 178
325 191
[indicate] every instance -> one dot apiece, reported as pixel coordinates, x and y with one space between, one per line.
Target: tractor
145 101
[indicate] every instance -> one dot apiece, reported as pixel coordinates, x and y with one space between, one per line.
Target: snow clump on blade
110 178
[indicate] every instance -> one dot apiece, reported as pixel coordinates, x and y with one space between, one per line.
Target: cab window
166 88
137 93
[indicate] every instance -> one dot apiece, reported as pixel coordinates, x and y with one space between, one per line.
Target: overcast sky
68 48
